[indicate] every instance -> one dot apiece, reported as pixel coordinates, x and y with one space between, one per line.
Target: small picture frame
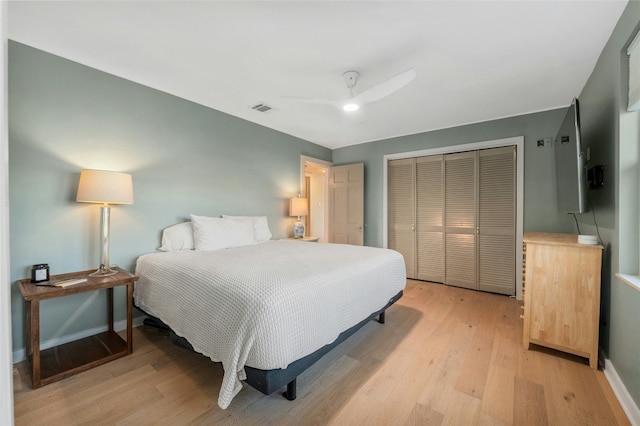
40 273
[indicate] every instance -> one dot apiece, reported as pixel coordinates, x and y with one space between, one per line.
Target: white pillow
261 225
177 237
214 233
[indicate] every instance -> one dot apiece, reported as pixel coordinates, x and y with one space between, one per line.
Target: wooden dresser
562 294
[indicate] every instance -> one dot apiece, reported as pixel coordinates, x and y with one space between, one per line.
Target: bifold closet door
460 219
497 220
429 219
453 218
401 211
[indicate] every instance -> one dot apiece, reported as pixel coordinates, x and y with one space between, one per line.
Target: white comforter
267 305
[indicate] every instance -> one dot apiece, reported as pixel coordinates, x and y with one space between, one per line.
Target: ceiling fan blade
385 88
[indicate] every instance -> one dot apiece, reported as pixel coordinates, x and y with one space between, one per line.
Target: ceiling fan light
351 107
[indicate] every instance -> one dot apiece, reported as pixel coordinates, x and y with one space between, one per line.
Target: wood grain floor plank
506 346
571 392
25 399
403 400
463 410
475 367
110 405
390 373
422 415
498 396
437 392
529 404
361 411
72 410
330 390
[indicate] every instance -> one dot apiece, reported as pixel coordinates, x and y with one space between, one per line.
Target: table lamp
104 187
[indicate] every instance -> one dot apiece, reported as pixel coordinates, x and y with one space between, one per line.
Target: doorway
314 185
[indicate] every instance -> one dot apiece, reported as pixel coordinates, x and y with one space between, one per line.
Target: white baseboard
18 355
628 404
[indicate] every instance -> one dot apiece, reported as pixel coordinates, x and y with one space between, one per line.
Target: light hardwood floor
446 356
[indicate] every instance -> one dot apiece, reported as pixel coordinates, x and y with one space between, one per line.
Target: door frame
304 159
518 141
6 371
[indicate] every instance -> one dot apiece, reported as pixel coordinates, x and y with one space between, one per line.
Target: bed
268 310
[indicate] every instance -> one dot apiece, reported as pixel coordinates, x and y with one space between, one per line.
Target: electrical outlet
546 142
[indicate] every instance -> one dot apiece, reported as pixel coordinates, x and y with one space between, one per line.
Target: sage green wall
540 203
614 137
184 159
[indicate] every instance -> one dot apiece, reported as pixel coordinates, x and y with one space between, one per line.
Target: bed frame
269 381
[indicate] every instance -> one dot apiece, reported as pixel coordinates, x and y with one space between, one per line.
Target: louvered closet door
429 219
460 219
401 211
497 220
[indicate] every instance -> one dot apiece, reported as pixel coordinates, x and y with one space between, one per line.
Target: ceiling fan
370 95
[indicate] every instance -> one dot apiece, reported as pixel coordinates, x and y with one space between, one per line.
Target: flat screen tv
571 174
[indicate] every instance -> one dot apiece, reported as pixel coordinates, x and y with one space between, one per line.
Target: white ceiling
475 60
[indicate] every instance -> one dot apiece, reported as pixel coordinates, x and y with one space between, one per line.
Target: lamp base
104 271
298 230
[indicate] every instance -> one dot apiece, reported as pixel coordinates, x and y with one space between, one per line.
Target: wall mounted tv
571 175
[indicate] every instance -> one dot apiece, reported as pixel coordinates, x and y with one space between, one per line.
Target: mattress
265 305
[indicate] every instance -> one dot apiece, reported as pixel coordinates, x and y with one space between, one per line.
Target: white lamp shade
298 207
102 186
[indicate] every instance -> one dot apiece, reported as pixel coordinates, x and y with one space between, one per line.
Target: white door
346 204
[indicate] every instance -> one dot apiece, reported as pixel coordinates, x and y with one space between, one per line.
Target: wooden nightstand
70 358
306 239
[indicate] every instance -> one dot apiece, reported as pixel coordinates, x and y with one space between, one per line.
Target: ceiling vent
262 107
